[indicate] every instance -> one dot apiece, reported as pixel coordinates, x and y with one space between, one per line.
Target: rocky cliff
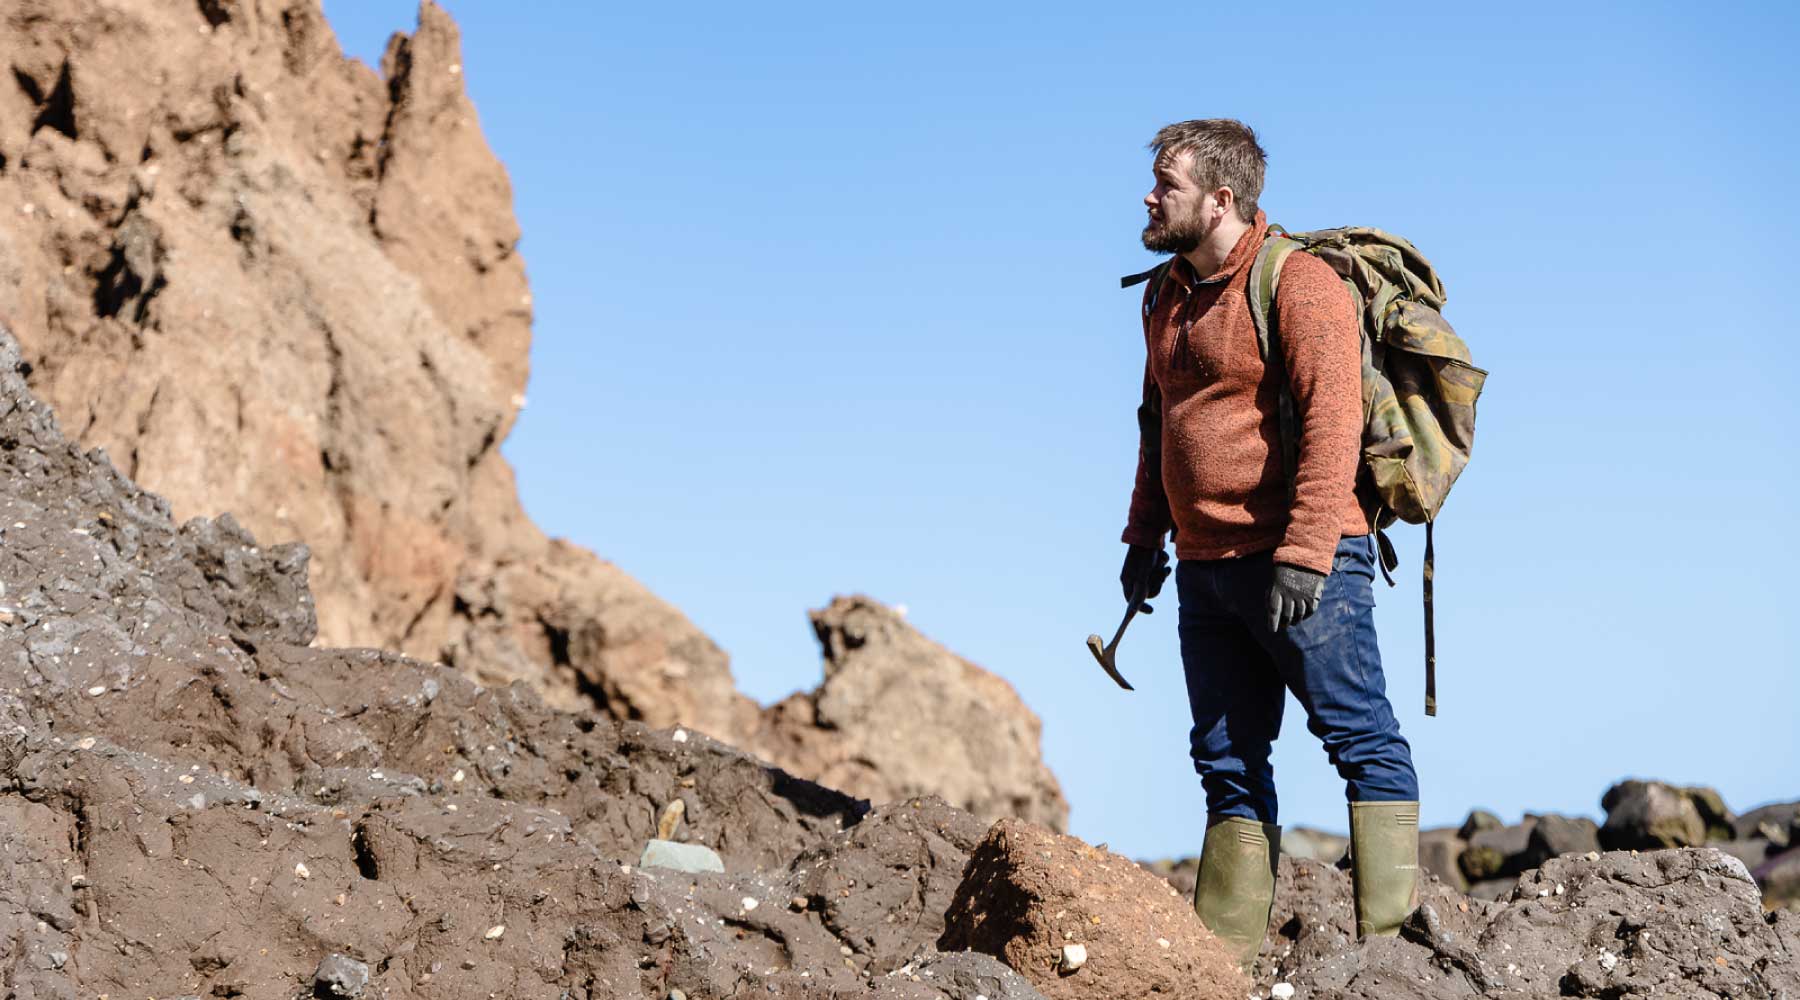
270 280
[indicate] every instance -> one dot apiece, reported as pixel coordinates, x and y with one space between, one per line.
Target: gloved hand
1293 595
1146 568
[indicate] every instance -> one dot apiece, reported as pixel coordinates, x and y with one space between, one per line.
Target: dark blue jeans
1238 674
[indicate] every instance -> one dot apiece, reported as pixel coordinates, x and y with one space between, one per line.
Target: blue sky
827 303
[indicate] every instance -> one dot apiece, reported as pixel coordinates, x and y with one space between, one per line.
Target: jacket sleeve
1321 344
1148 518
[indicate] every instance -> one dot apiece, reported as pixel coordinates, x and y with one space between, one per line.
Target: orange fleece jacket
1221 452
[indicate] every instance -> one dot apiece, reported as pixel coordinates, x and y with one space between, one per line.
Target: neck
1209 256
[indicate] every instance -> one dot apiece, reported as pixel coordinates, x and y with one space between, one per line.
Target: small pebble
495 931
1282 991
1074 956
97 690
87 743
748 903
457 777
680 736
797 903
301 871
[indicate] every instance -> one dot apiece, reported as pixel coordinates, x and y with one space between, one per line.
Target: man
1276 572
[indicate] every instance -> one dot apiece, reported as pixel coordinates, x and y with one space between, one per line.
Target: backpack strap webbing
1155 276
1430 633
1265 280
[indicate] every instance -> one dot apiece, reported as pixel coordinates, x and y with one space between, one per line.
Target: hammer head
1105 658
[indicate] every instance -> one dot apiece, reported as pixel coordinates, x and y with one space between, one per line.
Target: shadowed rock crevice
56 109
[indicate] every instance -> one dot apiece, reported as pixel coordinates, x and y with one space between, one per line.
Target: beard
1175 235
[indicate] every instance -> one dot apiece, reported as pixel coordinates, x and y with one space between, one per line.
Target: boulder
1318 845
1778 823
881 887
1497 852
1029 893
900 716
1751 852
1554 835
1670 923
1779 878
1477 821
1719 820
1439 853
1491 889
1313 921
1649 815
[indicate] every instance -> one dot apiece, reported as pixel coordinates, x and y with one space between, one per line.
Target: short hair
1226 154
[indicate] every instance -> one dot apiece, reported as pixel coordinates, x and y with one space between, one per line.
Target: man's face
1181 214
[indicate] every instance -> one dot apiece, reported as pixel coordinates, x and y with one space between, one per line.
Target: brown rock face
899 715
270 281
1029 894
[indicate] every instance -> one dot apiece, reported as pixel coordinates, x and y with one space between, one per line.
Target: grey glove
1144 568
1293 595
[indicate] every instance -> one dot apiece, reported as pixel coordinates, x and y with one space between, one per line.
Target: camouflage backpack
1418 385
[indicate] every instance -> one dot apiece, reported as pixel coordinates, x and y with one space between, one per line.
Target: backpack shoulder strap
1155 277
1265 278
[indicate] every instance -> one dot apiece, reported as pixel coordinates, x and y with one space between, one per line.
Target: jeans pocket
1355 557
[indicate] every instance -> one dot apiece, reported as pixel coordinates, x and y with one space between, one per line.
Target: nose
1150 199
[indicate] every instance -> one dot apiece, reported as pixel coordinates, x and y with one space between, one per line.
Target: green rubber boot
1384 865
1236 887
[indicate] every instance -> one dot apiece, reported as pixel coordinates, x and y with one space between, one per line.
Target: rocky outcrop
1675 923
1647 815
269 280
1484 855
899 715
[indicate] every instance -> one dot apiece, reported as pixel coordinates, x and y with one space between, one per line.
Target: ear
1227 200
